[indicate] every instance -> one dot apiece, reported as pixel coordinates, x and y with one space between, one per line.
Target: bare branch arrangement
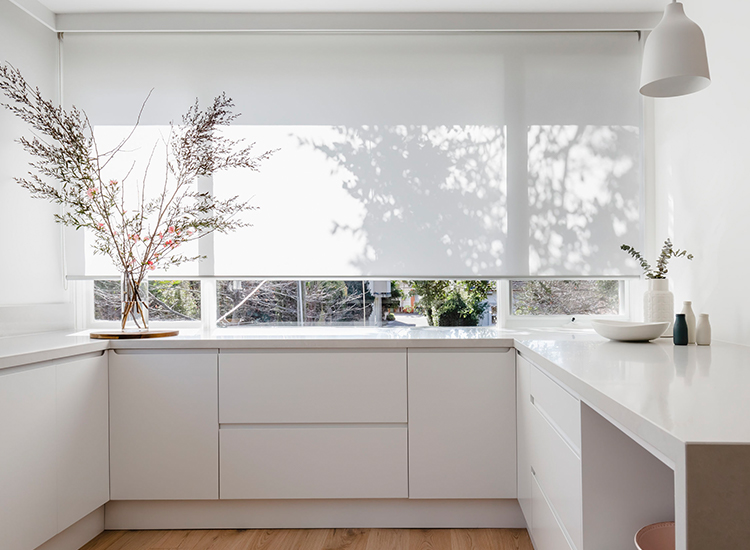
667 253
140 238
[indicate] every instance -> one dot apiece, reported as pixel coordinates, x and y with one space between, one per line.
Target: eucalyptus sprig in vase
658 300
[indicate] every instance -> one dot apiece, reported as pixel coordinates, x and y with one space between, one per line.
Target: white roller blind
487 155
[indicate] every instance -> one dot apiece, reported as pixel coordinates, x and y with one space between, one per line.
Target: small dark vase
680 333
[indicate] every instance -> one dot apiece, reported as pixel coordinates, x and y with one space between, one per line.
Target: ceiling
573 6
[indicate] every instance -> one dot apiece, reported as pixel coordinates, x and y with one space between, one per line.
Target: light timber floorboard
314 539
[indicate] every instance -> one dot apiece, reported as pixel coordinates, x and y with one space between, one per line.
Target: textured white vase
687 309
703 331
658 303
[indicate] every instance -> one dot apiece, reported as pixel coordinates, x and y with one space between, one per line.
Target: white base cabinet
164 426
462 424
82 439
28 507
549 464
54 467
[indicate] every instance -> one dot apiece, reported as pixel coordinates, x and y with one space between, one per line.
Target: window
243 302
178 300
565 297
411 156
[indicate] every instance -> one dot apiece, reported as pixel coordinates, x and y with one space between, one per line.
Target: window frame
506 319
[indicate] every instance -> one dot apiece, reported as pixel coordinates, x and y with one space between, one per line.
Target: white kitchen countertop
33 348
666 395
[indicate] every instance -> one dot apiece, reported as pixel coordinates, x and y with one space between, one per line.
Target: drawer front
313 462
307 386
545 530
558 471
523 435
561 408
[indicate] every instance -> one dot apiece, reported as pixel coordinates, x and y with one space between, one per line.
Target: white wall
30 251
702 169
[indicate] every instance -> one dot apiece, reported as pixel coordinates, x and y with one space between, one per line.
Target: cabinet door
82 438
28 495
523 399
462 424
164 427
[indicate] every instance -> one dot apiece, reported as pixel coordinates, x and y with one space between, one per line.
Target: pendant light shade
674 58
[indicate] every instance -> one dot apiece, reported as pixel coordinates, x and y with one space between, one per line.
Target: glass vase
134 292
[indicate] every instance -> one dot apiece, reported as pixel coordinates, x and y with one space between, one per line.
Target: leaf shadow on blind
434 198
584 197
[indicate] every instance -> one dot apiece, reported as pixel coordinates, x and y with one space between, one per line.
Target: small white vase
658 303
687 309
703 331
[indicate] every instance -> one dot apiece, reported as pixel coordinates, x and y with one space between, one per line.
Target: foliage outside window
452 303
292 303
565 297
167 300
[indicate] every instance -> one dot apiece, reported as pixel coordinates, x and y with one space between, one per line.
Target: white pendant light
674 57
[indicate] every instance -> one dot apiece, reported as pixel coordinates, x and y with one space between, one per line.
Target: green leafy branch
667 253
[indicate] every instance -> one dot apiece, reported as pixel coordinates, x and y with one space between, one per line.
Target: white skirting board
312 514
78 534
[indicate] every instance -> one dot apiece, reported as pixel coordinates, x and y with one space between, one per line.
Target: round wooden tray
131 334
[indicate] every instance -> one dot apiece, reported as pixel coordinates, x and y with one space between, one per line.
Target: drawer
561 408
558 471
544 527
307 386
313 462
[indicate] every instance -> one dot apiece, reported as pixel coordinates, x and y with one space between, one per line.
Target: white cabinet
546 530
82 438
164 428
312 386
54 467
550 470
28 502
313 424
462 424
523 400
314 462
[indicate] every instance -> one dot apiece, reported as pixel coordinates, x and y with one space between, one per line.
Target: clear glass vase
134 292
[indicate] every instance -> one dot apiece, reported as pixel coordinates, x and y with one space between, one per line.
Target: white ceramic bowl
657 536
625 331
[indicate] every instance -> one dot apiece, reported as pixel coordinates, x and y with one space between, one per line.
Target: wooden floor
315 539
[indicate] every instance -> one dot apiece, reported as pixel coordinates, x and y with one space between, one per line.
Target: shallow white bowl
626 331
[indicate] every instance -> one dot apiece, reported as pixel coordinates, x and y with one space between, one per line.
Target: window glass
566 297
178 300
449 303
337 302
257 303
